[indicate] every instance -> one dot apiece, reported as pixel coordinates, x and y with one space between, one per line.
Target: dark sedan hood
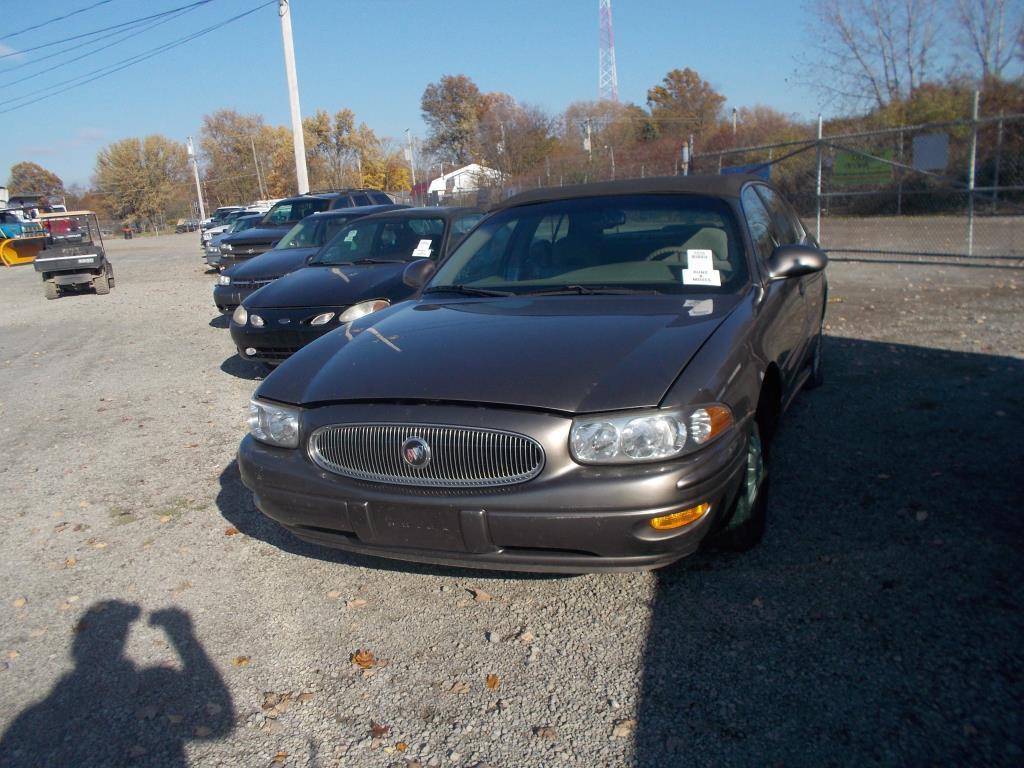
256 235
332 287
271 264
574 354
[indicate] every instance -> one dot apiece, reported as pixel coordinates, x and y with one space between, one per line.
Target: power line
54 19
125 63
120 37
104 29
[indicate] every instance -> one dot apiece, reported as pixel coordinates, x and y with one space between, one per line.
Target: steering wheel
664 253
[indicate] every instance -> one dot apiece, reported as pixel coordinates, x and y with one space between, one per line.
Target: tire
102 284
746 527
50 290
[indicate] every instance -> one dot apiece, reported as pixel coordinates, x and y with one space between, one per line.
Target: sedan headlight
224 280
274 424
362 309
240 316
322 319
644 437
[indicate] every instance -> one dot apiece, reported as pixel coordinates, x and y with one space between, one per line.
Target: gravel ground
150 616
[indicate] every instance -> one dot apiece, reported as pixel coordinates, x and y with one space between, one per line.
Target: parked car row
588 378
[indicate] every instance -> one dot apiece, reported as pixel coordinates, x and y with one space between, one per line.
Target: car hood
256 235
271 264
333 287
572 354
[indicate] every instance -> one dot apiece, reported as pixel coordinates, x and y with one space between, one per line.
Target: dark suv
287 213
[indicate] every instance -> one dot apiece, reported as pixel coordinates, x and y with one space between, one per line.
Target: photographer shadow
107 711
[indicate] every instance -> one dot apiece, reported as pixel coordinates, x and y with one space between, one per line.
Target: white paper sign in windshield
423 249
700 269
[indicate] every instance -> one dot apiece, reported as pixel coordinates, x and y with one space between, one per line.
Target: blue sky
375 57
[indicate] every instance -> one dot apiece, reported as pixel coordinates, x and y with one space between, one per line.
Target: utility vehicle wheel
110 276
50 289
101 284
746 527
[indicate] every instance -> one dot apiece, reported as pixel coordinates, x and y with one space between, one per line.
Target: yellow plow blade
20 250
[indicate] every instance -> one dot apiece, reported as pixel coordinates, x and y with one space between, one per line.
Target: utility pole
301 174
409 156
195 170
259 176
734 121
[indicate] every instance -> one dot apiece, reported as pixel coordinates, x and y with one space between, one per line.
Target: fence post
970 175
899 174
817 194
999 155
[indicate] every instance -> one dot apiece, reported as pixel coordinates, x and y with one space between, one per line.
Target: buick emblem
416 452
283 320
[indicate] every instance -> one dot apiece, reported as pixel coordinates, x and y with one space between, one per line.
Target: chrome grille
250 283
461 457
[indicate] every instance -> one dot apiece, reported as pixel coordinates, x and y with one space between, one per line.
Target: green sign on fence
856 170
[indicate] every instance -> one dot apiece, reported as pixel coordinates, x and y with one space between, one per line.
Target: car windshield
71 230
290 211
313 232
383 240
665 243
245 222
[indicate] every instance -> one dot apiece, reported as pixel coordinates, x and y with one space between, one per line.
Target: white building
469 178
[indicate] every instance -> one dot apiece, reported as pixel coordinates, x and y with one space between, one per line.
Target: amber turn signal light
679 519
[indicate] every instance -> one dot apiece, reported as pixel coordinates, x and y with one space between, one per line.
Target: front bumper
284 333
570 518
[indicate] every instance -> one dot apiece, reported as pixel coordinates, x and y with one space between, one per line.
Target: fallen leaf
271 699
356 602
19 602
148 713
493 681
623 728
459 687
545 732
201 732
304 696
240 661
334 594
479 595
213 709
70 562
12 655
165 518
101 545
363 659
280 757
526 636
401 746
379 730
231 532
175 719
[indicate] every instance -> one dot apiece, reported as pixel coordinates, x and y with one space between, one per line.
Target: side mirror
417 273
795 260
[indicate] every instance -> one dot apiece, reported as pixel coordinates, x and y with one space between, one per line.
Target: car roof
358 210
728 185
428 212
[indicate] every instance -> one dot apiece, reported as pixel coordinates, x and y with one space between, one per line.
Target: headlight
224 280
322 319
255 321
362 309
651 436
240 316
226 248
274 424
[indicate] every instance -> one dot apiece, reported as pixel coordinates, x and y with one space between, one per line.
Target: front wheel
750 516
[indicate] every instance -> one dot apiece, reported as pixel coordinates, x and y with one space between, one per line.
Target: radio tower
607 78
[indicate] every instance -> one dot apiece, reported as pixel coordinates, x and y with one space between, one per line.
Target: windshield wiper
374 261
467 290
588 290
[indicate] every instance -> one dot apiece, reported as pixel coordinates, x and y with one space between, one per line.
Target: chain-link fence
941 189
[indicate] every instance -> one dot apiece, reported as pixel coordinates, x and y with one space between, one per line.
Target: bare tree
991 33
872 51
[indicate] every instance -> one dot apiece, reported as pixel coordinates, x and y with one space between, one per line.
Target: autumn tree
992 33
231 172
140 177
451 109
684 103
512 137
29 178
